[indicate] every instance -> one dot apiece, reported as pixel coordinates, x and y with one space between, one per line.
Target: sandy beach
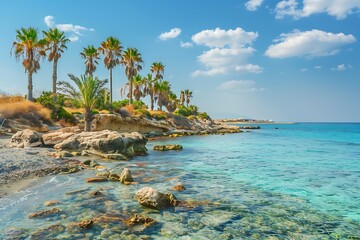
21 167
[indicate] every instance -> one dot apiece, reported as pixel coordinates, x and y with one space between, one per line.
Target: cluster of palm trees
31 48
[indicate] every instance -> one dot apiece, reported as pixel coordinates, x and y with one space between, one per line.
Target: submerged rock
48 232
126 176
138 219
26 138
151 198
96 179
76 227
44 213
179 187
169 147
51 203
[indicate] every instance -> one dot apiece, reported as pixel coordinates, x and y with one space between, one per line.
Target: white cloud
222 38
342 67
73 38
49 21
74 29
249 68
229 51
252 5
173 33
303 70
314 43
318 67
210 72
186 44
337 8
239 86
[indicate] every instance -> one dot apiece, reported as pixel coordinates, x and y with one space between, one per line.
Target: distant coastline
249 121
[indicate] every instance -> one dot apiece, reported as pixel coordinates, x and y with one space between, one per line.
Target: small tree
90 89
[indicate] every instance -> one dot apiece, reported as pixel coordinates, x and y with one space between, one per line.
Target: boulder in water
169 147
151 198
126 176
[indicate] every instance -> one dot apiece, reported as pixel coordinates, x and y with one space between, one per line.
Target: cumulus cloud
186 44
249 68
76 30
240 86
314 43
224 38
229 51
252 5
341 67
339 9
173 33
318 67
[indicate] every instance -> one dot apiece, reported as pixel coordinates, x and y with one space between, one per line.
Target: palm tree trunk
88 117
111 91
54 79
30 87
131 90
151 102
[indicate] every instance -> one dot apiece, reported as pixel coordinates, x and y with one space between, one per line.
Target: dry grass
11 99
30 111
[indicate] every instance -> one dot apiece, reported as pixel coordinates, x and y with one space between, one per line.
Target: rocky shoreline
29 154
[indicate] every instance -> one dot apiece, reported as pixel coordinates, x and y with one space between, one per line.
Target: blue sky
292 60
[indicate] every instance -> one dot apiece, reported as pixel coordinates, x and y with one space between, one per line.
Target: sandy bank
20 167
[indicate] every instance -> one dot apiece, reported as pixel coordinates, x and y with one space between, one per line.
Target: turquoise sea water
300 181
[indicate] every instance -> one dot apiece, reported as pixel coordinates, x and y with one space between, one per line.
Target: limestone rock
124 124
126 176
106 143
151 198
26 138
56 137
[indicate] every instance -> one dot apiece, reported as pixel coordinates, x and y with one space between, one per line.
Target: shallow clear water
299 181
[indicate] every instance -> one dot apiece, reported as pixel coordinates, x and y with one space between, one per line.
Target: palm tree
173 101
90 89
150 89
30 48
132 60
111 48
182 98
188 95
91 55
158 68
138 82
56 44
162 90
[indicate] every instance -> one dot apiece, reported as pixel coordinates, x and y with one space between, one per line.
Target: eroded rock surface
151 198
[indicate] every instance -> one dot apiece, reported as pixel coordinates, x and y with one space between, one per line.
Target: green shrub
203 115
183 111
95 111
117 105
142 112
62 114
158 116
